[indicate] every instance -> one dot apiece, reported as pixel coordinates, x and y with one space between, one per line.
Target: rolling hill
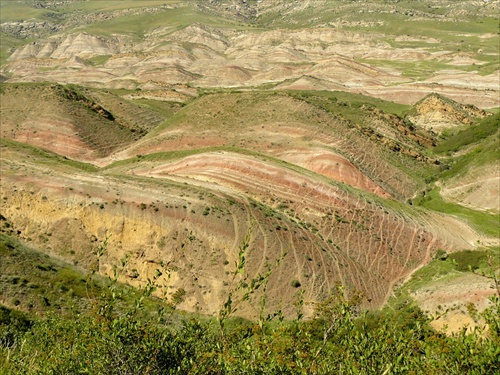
322 137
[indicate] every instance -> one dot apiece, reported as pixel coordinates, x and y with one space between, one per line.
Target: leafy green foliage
338 338
40 284
13 324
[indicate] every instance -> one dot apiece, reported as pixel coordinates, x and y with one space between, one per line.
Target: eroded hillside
320 181
313 45
347 141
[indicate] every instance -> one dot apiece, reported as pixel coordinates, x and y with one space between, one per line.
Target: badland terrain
333 141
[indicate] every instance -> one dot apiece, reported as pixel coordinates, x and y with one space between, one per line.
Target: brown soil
313 59
447 301
307 184
478 189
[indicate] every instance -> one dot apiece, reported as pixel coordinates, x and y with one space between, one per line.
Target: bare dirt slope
64 120
479 189
314 45
449 299
323 190
194 215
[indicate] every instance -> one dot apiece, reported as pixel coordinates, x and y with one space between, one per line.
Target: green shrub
441 255
338 339
469 259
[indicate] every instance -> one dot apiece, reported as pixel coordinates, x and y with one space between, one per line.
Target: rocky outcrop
437 113
236 9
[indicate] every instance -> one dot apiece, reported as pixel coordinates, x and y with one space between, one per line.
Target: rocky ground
450 301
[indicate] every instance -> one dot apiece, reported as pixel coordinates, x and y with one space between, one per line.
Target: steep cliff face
72 226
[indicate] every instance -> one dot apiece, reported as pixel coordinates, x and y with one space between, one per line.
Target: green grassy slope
473 148
33 282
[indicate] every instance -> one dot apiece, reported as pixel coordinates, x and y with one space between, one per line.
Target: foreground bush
116 339
110 342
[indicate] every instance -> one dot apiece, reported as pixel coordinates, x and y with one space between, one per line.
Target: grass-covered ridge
44 157
462 153
473 134
487 223
38 284
450 266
